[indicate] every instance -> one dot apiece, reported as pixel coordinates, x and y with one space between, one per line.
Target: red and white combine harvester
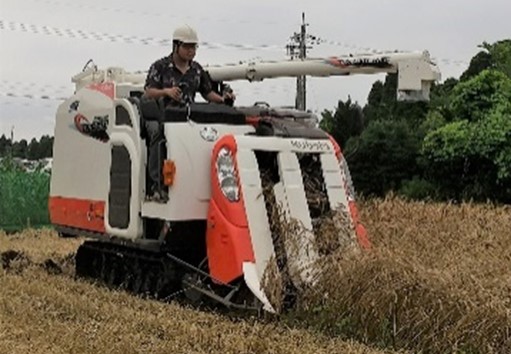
213 239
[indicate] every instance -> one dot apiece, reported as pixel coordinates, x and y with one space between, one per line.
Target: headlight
226 175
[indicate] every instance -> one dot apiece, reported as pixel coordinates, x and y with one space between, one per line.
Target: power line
32 96
154 41
139 13
119 38
11 85
13 90
166 15
25 90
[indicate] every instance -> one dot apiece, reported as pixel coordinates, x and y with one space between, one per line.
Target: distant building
33 165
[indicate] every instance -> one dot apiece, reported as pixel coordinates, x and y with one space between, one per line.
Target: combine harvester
224 167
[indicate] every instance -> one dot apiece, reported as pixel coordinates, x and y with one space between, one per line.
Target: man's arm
172 92
206 89
214 97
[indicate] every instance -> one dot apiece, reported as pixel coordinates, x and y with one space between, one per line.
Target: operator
173 78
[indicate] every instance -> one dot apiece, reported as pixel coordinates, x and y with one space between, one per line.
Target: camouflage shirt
163 74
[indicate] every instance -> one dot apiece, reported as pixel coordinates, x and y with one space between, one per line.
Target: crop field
437 280
23 198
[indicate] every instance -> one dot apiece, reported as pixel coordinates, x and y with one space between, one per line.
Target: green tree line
33 150
455 147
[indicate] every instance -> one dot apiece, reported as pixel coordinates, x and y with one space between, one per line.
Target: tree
386 153
383 157
5 145
501 55
46 146
19 149
478 63
470 157
441 98
346 122
474 99
382 104
493 56
34 151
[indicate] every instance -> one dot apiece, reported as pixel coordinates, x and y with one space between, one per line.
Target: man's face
186 51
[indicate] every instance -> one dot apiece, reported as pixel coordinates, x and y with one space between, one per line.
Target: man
168 78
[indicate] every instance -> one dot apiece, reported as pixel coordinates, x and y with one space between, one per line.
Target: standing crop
23 197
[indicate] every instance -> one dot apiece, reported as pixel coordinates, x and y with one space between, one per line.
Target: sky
43 43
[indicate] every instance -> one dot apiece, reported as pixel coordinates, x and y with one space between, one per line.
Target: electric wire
143 13
121 38
154 41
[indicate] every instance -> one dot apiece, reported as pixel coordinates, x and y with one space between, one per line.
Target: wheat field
437 280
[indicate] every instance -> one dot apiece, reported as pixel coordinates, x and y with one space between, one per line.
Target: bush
382 157
418 189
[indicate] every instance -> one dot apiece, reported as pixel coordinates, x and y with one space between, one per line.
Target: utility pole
298 43
12 142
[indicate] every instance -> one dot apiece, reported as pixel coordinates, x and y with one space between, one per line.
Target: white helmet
185 34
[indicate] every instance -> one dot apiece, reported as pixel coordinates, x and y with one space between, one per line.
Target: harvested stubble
48 313
438 280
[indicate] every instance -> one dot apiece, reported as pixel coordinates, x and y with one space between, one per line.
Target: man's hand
229 96
174 93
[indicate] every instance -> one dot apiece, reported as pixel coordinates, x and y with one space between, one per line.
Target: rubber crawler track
157 275
138 271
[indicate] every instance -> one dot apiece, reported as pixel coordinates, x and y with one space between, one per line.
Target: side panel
78 213
79 178
87 190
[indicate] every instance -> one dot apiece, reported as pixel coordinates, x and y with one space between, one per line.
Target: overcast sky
45 42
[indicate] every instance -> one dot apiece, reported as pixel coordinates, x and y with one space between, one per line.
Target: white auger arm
415 70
